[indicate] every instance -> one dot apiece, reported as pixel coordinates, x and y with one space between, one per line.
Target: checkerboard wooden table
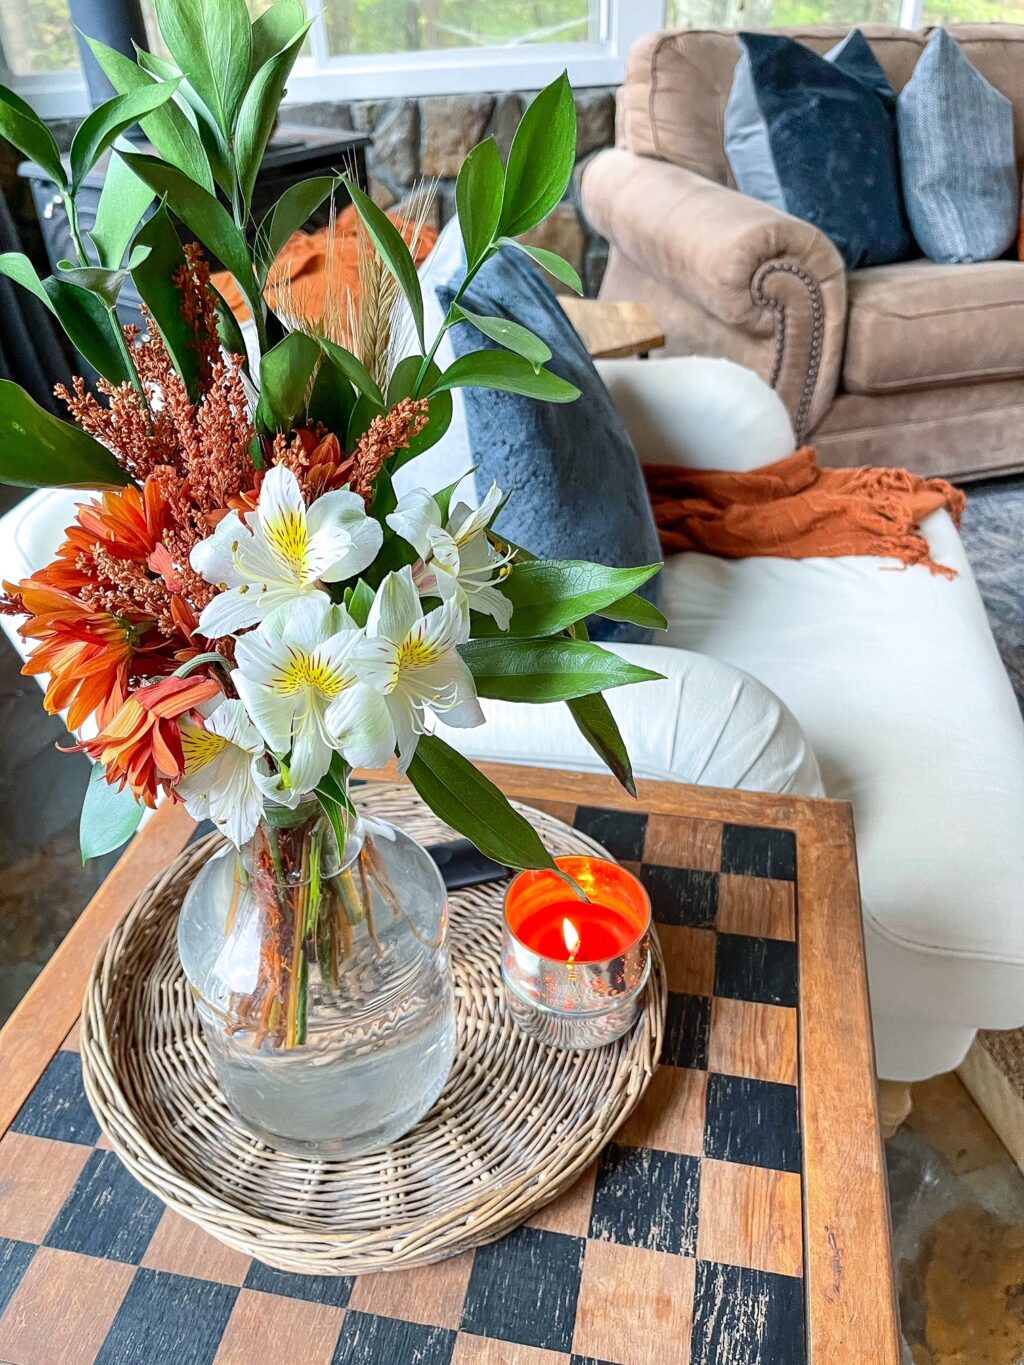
739 1217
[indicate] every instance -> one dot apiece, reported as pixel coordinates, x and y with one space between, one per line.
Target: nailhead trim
817 333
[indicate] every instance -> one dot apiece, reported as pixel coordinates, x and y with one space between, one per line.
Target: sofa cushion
896 681
920 323
578 491
957 157
815 138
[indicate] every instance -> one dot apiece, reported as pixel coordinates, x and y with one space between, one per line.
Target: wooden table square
739 1214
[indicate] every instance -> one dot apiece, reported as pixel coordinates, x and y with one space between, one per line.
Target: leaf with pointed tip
598 727
354 370
332 399
540 160
38 450
393 250
510 334
109 120
478 193
258 113
89 327
168 127
558 669
506 371
154 279
105 284
17 267
211 41
285 372
637 611
359 600
462 797
206 217
22 126
274 30
122 208
109 817
549 595
555 266
294 208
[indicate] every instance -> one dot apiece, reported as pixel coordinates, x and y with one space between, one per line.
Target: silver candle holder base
578 1030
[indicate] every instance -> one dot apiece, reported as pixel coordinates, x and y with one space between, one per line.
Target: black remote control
461 864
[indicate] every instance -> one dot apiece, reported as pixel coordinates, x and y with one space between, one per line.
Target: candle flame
572 938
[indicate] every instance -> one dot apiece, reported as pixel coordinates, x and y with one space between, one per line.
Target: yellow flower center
289 539
414 652
200 747
309 670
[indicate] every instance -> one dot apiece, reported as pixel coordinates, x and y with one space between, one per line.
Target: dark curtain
30 348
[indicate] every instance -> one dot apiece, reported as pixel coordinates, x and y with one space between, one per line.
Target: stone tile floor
957 1197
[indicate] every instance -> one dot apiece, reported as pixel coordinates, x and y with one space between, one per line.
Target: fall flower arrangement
244 611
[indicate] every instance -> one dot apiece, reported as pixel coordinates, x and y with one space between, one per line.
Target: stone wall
428 138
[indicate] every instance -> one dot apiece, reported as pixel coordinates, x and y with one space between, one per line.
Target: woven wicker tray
515 1125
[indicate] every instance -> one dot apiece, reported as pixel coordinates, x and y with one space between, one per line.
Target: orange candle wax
548 919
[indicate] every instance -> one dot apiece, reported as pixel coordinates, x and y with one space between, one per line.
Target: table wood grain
819 1225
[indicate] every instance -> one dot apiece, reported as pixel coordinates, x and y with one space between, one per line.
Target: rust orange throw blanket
794 510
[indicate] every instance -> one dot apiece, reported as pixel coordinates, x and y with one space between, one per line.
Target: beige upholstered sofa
913 364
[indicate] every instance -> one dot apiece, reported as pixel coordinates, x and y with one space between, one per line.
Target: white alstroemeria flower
457 560
223 759
295 668
428 673
281 552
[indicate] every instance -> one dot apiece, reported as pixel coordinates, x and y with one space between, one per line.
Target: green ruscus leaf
558 669
109 817
38 450
459 794
540 160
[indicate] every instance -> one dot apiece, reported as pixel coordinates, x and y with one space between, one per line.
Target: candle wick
571 881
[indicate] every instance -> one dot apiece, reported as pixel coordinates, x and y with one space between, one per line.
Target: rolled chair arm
706 722
747 265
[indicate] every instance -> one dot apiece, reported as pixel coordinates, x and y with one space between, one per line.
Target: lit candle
575 970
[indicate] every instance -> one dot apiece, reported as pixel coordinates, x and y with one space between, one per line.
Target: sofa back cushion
672 103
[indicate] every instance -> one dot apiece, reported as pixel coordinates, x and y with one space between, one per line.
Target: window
376 26
37 37
784 13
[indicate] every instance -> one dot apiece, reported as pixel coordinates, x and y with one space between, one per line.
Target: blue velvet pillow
816 137
577 488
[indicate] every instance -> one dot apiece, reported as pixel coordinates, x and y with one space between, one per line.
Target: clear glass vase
323 981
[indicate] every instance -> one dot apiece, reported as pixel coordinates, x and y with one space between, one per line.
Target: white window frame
322 77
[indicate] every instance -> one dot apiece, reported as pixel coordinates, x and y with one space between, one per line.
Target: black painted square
646 1198
107 1214
14 1261
753 1122
760 969
168 1320
687 1029
333 1290
750 851
621 832
746 1317
57 1107
524 1288
681 895
370 1340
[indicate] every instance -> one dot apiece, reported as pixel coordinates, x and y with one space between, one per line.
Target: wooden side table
613 331
739 1218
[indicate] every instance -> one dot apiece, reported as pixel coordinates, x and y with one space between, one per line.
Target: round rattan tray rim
306 1249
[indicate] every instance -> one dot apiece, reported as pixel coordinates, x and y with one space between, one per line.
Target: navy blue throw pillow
816 137
577 488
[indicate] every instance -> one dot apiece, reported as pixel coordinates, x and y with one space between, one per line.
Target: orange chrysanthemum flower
141 745
87 653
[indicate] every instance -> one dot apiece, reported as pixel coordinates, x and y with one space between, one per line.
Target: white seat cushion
894 678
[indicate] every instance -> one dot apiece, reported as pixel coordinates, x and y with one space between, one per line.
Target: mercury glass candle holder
575 970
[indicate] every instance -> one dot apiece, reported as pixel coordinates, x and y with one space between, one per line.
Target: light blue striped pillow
957 157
